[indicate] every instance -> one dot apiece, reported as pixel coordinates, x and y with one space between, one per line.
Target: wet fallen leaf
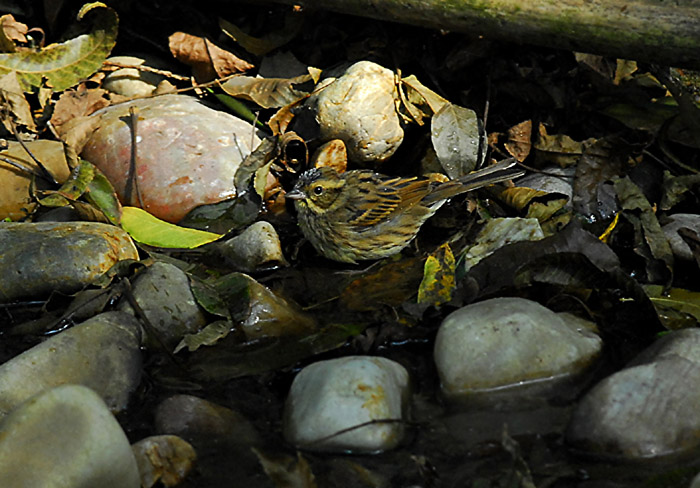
455 133
391 284
677 307
208 336
284 472
649 236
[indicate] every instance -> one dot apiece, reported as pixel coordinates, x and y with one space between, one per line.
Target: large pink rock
187 153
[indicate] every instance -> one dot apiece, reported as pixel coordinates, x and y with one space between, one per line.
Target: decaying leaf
164 459
558 149
391 284
650 241
677 308
438 277
14 104
207 60
208 336
539 204
260 46
497 233
78 102
16 199
593 196
11 33
519 141
285 472
675 189
425 99
271 92
67 63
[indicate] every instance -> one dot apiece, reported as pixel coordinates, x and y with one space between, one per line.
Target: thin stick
47 174
132 181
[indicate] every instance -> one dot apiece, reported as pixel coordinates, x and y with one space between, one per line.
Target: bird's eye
318 190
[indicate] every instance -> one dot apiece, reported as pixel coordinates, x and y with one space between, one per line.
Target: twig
132 178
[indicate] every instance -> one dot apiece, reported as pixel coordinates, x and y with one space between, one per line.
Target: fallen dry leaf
11 33
207 60
77 102
13 101
519 140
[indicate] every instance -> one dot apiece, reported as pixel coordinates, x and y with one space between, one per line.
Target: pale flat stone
510 342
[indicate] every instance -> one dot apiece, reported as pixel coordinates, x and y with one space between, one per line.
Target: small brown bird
361 214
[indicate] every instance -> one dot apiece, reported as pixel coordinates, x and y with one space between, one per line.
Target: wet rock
678 245
194 418
328 397
188 153
262 313
649 409
511 347
163 293
359 108
65 437
165 458
37 259
103 353
257 247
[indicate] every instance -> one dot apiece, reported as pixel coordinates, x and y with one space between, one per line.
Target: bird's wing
379 198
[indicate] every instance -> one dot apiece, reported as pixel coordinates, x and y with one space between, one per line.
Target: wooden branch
665 32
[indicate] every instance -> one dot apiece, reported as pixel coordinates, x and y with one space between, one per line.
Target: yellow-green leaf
147 229
65 64
438 277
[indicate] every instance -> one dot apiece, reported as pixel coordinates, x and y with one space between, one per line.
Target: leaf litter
611 119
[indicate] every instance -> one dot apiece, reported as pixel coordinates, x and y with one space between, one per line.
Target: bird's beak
295 195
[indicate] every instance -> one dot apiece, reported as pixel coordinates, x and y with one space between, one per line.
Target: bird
362 215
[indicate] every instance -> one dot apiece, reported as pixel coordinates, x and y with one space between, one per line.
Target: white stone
328 397
65 438
508 342
360 108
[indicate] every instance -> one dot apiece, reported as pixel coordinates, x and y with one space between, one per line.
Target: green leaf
438 277
65 64
147 229
208 336
101 194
